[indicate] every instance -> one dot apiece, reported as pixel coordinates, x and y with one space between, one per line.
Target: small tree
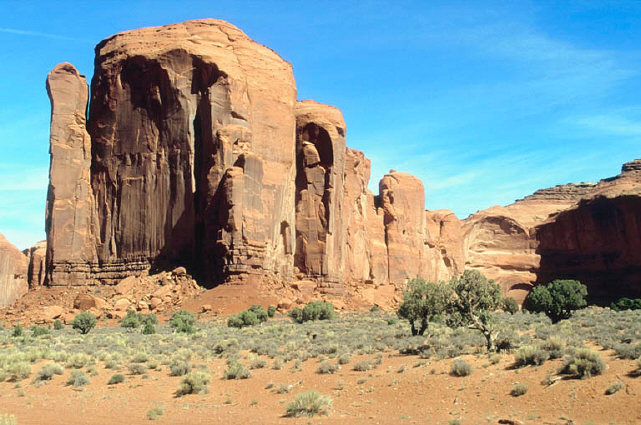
558 299
475 297
84 322
423 302
510 305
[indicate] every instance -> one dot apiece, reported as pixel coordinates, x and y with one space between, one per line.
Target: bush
18 371
179 367
137 368
84 322
78 360
614 387
57 325
77 378
271 311
47 372
17 331
148 329
250 317
344 358
628 351
626 304
460 368
195 382
363 366
183 322
637 371
316 310
37 331
558 299
235 370
510 305
8 420
530 355
310 403
258 364
554 346
423 302
327 367
131 320
155 413
518 390
583 364
117 378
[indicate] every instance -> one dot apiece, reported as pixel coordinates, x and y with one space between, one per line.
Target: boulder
126 286
122 304
49 314
85 302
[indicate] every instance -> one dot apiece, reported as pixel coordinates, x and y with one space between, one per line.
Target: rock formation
36 255
197 154
71 246
13 273
587 231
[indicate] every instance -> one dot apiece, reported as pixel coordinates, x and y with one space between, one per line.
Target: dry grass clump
310 403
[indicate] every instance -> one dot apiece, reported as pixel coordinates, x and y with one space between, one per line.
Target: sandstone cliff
13 273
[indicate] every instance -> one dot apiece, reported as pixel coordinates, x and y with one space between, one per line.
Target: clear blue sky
484 101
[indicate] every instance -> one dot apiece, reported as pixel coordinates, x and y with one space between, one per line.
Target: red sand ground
420 395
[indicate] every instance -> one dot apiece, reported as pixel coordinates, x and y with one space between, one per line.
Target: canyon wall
13 273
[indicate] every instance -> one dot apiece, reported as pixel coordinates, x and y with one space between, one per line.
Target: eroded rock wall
13 273
320 165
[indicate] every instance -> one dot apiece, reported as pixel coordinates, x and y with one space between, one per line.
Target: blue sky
484 101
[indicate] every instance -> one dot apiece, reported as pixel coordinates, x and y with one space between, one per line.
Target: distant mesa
196 153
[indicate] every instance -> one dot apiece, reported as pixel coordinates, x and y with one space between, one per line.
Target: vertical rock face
443 254
403 202
36 256
192 157
13 273
320 165
71 247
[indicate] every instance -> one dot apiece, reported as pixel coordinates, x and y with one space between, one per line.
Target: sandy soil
425 394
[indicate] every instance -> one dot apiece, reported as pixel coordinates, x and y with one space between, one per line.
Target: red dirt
416 396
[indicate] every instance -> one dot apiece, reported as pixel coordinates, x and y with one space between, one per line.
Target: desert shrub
628 351
183 322
131 320
530 355
179 367
47 372
554 346
626 304
6 419
271 311
423 302
84 322
78 360
614 387
155 412
148 329
77 378
117 378
18 371
309 403
315 310
460 368
558 299
278 364
518 390
236 370
137 368
57 325
476 298
37 331
326 367
362 366
195 382
258 364
18 331
583 364
510 305
344 358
